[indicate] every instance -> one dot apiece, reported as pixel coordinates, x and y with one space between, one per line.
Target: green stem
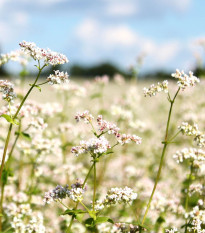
9 133
187 194
1 204
5 150
7 164
14 144
171 139
95 185
76 206
11 125
162 156
42 83
84 206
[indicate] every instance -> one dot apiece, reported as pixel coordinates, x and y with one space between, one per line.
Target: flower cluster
38 124
126 138
116 196
153 90
105 126
192 130
198 219
197 156
17 56
23 219
58 77
196 188
77 190
94 145
59 193
86 116
185 80
7 89
48 56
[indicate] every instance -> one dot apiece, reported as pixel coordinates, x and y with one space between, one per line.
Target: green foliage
101 69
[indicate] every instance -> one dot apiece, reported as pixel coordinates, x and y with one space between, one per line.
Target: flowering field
100 156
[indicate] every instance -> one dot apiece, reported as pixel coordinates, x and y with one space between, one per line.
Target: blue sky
92 31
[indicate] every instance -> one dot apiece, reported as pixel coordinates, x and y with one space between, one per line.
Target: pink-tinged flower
58 77
7 89
94 145
126 138
86 116
105 126
48 56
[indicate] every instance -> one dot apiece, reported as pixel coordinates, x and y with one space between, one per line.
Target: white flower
95 145
58 77
7 88
86 116
116 196
185 80
192 130
153 90
48 56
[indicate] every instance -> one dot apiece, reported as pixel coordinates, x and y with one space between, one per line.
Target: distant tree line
105 69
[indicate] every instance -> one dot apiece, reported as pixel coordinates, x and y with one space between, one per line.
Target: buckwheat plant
183 81
97 148
13 113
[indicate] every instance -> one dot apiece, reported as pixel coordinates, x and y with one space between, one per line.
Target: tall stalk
95 185
165 142
8 139
76 206
187 194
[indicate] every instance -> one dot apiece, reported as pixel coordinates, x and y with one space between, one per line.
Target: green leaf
37 86
5 176
103 219
24 135
79 217
10 119
89 222
160 220
109 152
73 212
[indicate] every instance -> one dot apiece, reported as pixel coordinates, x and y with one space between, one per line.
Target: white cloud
91 32
181 5
119 8
102 41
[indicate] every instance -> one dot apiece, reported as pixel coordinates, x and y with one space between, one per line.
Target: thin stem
76 206
14 144
1 204
5 150
29 91
172 138
84 206
187 194
63 204
95 185
162 156
11 125
42 83
9 133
